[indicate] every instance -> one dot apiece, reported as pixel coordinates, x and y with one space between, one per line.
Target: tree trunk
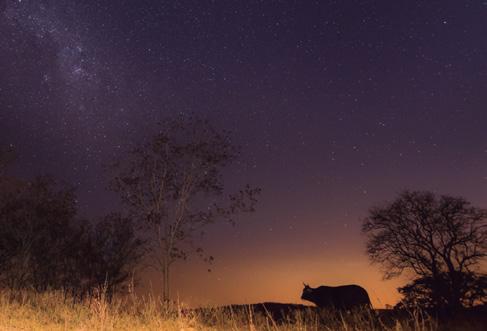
455 291
165 281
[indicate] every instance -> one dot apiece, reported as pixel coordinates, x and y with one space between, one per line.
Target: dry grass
50 311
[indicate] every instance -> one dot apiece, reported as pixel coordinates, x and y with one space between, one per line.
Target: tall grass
52 311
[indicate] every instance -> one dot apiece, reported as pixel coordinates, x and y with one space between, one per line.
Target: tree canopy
439 239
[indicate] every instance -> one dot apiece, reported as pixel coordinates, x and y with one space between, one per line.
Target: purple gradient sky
338 105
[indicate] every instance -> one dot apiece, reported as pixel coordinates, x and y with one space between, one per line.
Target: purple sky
338 105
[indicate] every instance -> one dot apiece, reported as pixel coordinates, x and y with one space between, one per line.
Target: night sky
338 106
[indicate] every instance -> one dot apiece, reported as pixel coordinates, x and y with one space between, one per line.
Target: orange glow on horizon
247 282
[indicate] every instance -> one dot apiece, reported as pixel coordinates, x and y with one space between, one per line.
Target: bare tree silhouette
173 183
441 239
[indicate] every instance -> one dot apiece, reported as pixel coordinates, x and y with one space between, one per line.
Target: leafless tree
173 183
435 237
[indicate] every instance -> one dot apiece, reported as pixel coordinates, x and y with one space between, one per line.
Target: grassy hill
52 311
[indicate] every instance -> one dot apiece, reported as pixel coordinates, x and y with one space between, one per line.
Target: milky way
338 105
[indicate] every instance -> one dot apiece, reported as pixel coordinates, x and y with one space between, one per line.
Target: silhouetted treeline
421 291
45 246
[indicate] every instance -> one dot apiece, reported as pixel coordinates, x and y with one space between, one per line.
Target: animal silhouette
344 297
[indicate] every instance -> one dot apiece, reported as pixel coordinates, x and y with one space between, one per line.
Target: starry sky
338 105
